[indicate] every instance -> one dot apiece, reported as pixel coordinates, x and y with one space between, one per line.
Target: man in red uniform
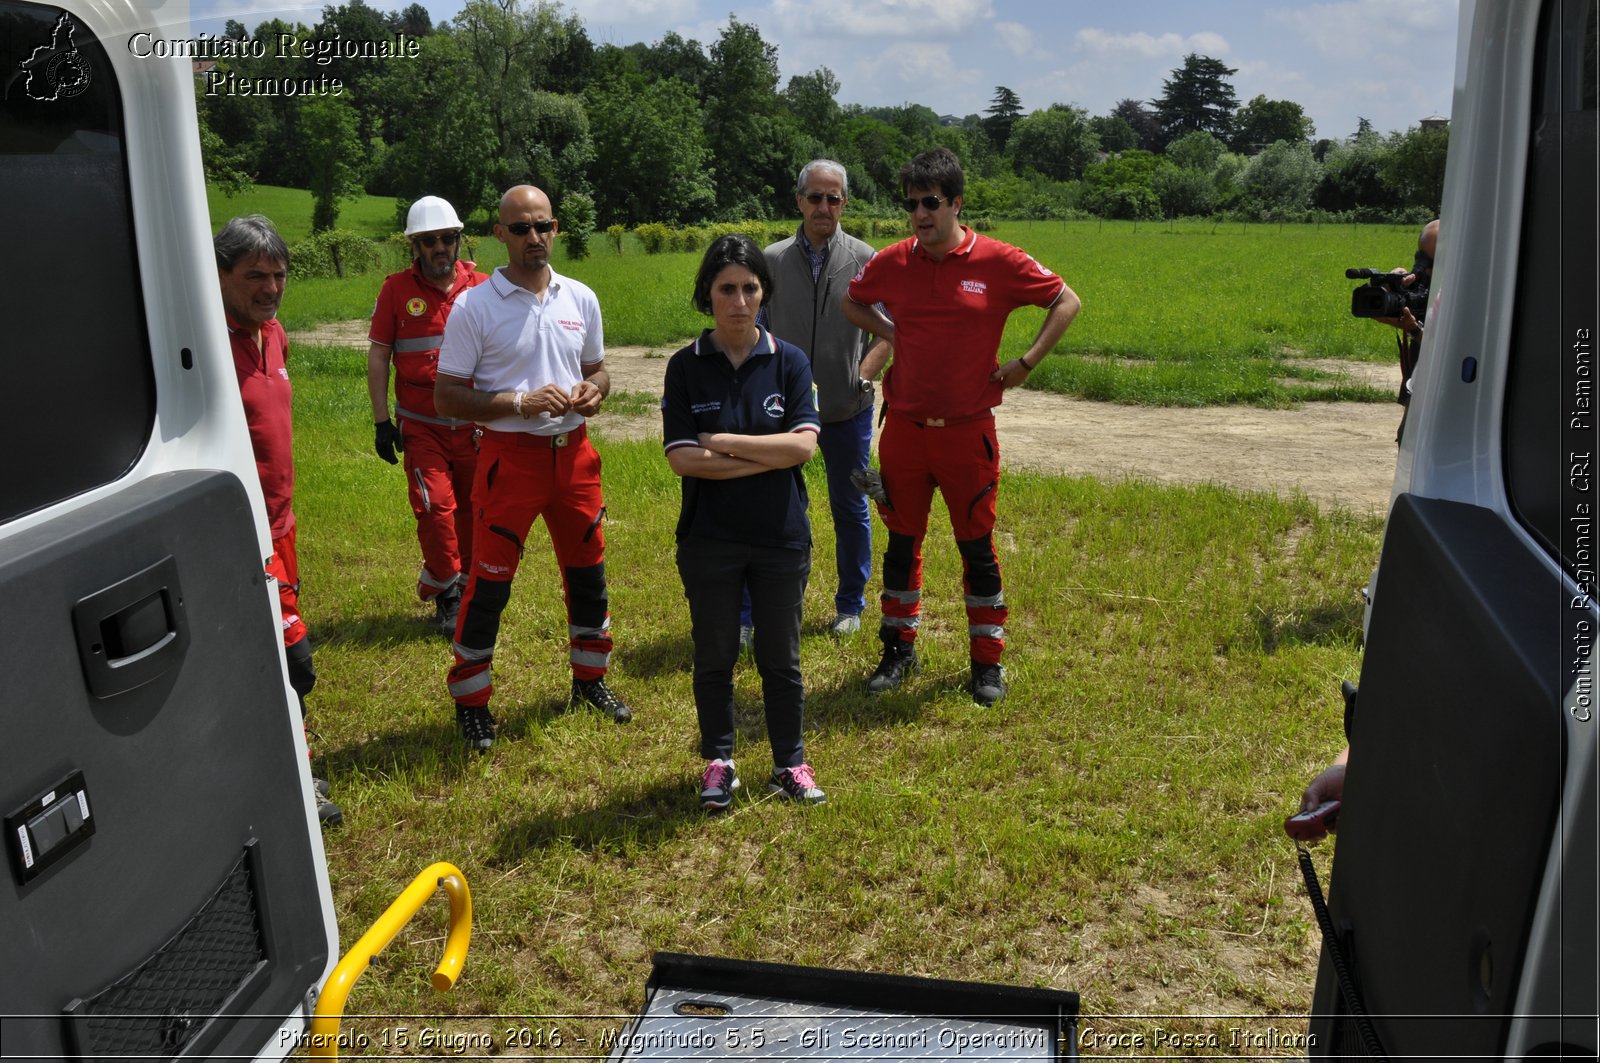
440 454
947 292
252 263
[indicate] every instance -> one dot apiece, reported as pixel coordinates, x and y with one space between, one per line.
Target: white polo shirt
502 338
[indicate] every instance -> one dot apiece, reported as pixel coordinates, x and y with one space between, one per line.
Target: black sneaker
448 604
477 728
321 786
988 684
899 660
595 692
796 784
328 813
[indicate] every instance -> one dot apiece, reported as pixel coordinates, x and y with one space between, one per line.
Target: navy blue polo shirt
771 392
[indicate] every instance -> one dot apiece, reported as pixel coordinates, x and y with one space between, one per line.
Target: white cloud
632 12
1021 41
1350 28
896 20
1144 46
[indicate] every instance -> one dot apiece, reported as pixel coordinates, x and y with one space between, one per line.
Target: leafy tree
444 142
1114 132
1196 151
657 163
1056 142
1198 95
224 164
577 223
512 53
752 147
259 127
356 20
1123 186
813 100
1352 175
1414 166
414 21
331 143
874 151
1262 121
1144 123
1003 112
674 57
1185 191
556 148
1281 180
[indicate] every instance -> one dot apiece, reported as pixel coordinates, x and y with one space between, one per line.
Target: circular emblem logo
773 405
417 307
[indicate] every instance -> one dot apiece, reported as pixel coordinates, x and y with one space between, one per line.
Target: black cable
1347 984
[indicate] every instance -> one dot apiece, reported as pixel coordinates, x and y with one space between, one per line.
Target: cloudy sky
1390 61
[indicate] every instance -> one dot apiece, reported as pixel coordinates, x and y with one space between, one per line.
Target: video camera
1385 296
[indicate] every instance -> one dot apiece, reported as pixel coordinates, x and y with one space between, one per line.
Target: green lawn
1113 827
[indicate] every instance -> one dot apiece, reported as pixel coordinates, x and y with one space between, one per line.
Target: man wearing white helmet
440 454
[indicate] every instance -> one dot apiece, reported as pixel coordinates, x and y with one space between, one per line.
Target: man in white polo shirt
524 357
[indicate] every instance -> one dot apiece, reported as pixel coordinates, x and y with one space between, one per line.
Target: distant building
1433 122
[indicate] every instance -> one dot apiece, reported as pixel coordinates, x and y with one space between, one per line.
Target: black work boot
899 660
448 605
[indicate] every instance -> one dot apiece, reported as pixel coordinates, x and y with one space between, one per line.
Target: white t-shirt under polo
502 338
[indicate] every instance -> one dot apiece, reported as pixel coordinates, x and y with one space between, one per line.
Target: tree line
514 90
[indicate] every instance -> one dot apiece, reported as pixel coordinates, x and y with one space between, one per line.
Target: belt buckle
934 422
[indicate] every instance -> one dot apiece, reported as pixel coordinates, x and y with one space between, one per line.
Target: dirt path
1337 453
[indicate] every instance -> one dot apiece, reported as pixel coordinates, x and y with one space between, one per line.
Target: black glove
386 440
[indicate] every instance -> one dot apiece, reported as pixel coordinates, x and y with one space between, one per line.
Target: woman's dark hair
731 251
939 169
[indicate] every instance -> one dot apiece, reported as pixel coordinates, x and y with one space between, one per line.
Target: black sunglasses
522 228
815 198
926 202
429 239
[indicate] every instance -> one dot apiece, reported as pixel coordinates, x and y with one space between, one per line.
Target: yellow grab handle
330 1004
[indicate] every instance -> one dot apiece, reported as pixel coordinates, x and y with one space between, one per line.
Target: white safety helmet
431 214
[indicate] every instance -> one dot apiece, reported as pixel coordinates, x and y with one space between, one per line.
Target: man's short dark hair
939 169
247 237
728 251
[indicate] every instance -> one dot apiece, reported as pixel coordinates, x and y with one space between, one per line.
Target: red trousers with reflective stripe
962 462
284 566
440 463
519 479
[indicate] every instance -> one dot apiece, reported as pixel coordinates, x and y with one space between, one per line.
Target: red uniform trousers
284 566
962 460
522 477
440 463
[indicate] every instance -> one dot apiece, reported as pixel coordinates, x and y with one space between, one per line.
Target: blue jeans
846 447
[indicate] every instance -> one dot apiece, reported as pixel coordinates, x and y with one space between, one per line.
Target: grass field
1113 827
1186 314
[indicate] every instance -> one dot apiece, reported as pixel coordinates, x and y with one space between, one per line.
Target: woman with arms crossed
739 419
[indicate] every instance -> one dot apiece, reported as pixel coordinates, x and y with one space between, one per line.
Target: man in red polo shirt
440 454
252 264
947 292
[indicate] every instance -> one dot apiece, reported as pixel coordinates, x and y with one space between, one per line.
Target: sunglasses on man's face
925 202
816 198
522 228
430 239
